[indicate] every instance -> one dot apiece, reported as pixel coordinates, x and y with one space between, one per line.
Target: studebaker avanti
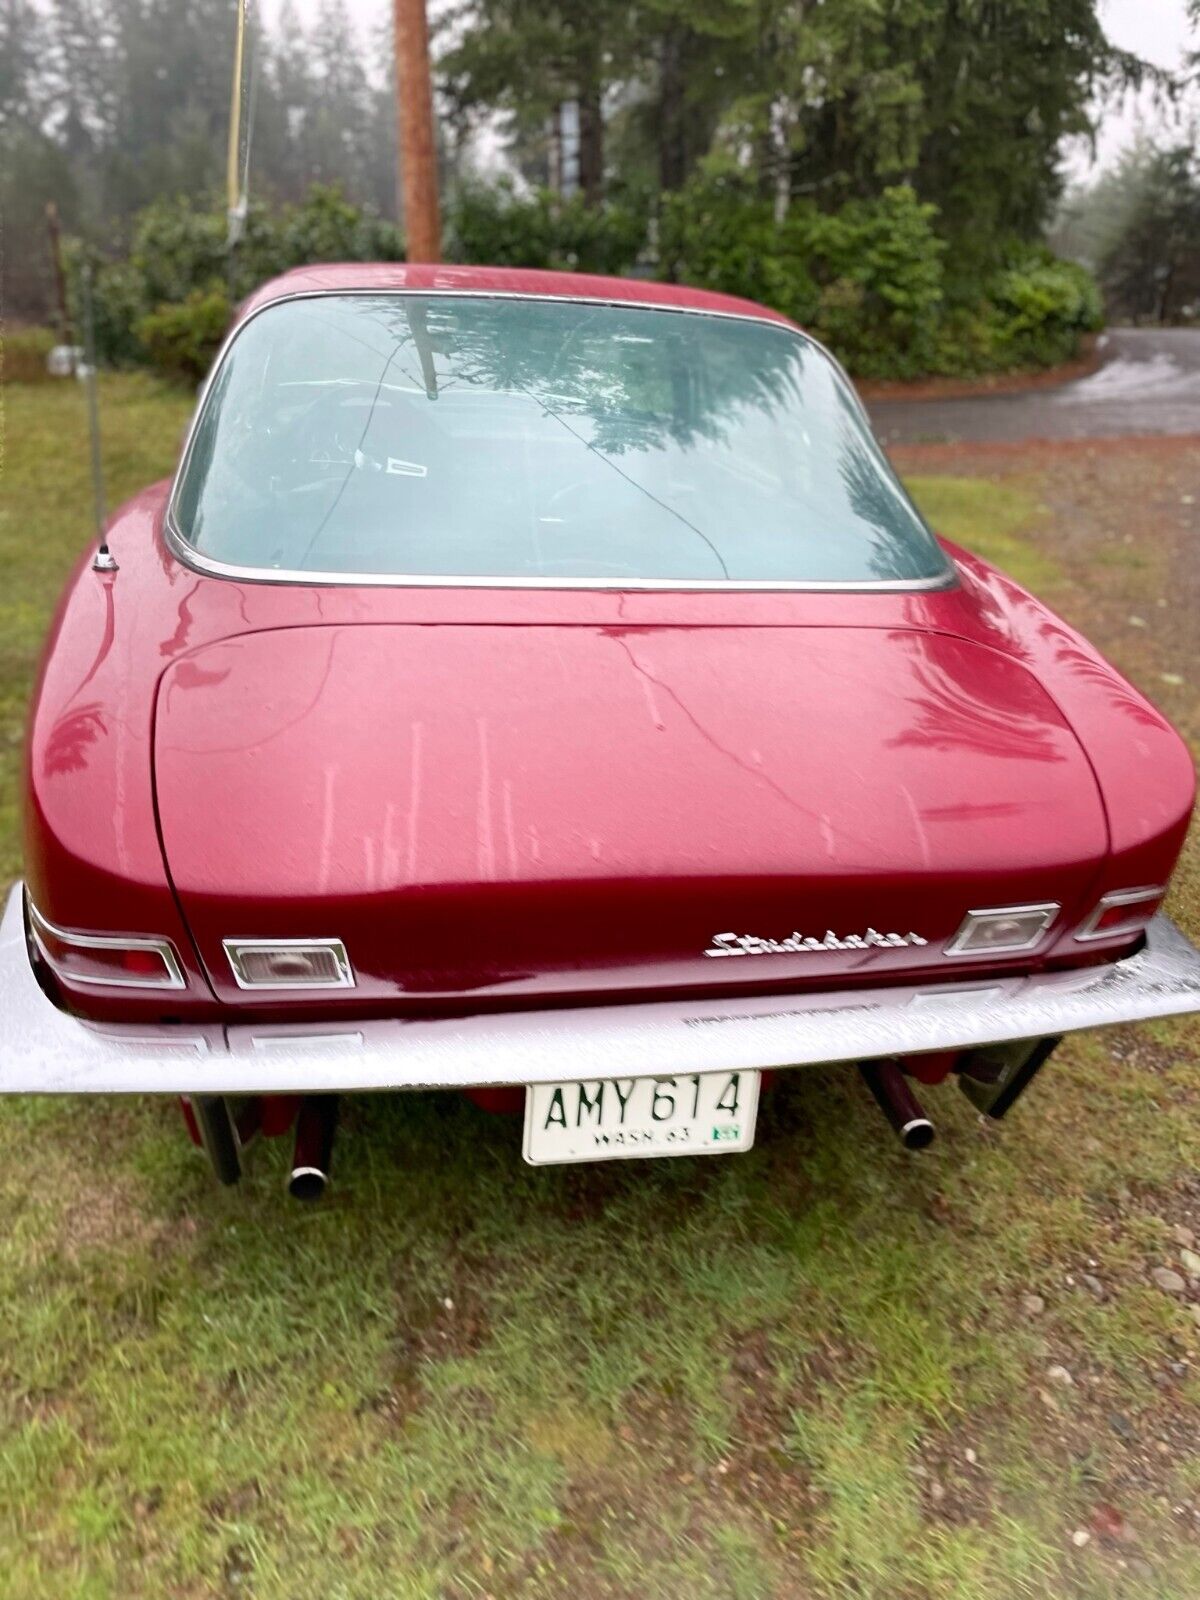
542 686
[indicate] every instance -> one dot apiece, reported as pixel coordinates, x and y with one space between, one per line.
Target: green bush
871 281
867 279
181 340
177 249
118 301
1031 311
1043 305
179 254
879 267
494 226
715 233
325 227
23 354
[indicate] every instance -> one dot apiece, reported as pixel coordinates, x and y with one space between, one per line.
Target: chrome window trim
1048 908
40 925
198 562
234 949
377 580
1119 897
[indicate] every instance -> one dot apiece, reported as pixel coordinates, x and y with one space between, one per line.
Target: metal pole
103 560
60 277
414 126
235 113
235 201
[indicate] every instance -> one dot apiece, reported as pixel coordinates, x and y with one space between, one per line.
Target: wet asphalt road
1148 383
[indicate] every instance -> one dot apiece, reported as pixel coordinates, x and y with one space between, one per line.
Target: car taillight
1002 930
289 963
107 960
1124 911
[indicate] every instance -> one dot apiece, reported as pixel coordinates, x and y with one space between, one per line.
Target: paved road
1149 383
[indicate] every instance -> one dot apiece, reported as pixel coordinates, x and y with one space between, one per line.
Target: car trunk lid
528 811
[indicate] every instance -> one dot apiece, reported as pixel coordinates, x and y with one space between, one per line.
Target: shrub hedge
168 303
872 279
181 339
494 226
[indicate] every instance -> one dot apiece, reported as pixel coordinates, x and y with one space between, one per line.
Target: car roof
436 277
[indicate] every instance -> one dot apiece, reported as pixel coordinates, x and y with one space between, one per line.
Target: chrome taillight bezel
235 948
1150 894
1048 910
41 929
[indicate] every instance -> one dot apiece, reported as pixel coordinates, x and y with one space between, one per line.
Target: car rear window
544 441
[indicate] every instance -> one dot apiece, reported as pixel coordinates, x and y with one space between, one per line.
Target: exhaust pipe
887 1082
316 1123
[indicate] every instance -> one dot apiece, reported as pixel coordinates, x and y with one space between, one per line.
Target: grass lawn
821 1369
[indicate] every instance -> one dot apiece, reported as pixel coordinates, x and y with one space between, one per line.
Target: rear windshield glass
540 440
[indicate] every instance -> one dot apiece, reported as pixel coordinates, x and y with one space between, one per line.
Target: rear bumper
44 1051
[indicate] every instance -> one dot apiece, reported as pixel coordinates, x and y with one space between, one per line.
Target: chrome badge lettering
747 944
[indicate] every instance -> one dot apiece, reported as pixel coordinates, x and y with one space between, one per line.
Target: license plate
614 1119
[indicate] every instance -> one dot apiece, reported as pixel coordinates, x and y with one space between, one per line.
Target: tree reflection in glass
545 440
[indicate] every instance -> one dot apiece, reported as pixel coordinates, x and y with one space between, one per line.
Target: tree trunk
554 153
1164 296
65 330
591 146
414 117
672 146
764 136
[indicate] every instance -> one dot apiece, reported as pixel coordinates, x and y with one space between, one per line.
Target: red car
541 685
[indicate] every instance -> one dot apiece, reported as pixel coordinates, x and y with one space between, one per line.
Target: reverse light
1124 911
101 960
289 963
1002 930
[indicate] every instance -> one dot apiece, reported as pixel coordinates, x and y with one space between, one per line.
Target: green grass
687 1380
994 520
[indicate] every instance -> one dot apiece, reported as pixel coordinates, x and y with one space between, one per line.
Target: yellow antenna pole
232 192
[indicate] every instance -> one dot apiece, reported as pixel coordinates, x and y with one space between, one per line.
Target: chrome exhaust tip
917 1134
307 1183
316 1124
887 1082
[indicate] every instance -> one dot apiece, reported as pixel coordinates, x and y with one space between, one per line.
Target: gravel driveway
1148 383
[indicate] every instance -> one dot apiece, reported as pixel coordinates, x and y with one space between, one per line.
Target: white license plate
611 1119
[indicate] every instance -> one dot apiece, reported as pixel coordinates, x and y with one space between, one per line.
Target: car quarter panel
92 855
1143 767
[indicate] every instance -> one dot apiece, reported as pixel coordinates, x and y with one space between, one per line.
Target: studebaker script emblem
747 944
